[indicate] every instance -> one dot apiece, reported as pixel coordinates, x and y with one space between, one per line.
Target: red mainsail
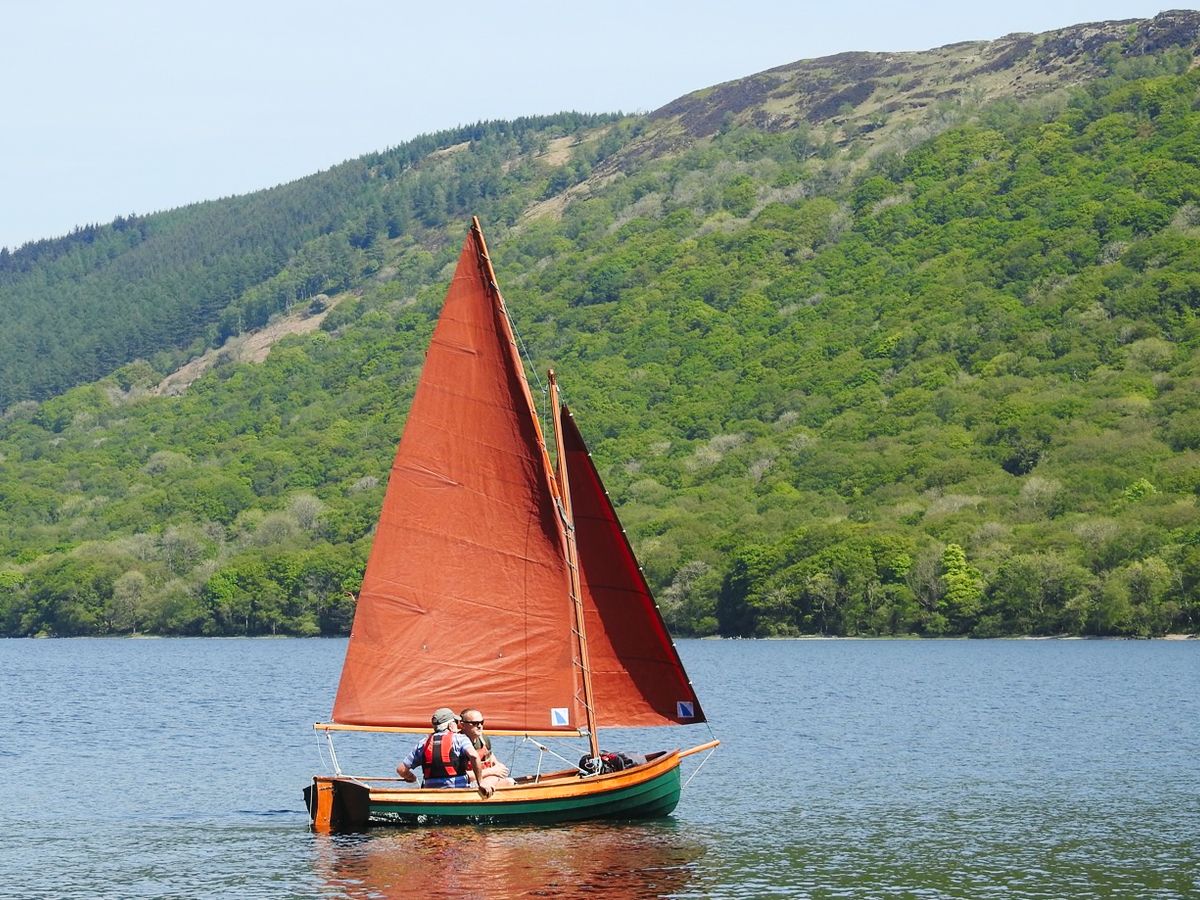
465 598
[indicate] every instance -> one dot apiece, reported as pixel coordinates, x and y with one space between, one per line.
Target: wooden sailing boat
500 581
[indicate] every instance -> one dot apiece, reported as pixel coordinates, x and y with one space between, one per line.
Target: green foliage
952 391
76 309
744 606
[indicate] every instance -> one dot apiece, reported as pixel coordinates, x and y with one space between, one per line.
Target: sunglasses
469 722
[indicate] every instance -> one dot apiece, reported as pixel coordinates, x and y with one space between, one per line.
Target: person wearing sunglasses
446 758
495 773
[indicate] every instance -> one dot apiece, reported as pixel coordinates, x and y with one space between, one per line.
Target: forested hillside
914 357
165 287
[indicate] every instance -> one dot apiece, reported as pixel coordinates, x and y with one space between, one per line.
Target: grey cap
443 717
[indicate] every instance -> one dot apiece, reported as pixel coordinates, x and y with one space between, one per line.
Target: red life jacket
484 749
440 763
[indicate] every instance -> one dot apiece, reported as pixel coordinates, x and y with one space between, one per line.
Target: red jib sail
637 676
465 598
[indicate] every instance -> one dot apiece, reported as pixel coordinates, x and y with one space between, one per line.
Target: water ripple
858 769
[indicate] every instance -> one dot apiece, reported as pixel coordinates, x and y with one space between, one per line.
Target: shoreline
917 637
710 637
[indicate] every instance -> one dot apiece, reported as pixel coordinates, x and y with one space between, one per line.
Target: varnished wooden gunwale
556 786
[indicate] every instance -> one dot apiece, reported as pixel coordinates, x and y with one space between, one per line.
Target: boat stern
337 804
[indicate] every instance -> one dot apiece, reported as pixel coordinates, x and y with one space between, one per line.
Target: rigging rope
696 770
523 351
544 750
712 734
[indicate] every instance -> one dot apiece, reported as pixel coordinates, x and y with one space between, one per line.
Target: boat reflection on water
651 859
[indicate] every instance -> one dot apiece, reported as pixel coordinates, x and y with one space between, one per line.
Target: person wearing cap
495 772
444 757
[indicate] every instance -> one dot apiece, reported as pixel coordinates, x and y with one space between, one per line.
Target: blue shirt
460 750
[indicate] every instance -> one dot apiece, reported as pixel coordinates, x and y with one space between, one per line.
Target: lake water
924 769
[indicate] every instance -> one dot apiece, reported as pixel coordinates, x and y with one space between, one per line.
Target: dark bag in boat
610 762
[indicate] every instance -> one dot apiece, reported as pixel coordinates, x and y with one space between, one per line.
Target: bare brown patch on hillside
252 346
554 206
559 151
886 101
449 151
868 98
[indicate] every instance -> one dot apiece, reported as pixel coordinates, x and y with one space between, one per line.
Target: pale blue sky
134 106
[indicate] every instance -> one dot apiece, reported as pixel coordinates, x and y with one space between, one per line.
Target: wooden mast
564 490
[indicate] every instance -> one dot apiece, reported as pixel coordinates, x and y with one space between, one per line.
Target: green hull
649 799
647 791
